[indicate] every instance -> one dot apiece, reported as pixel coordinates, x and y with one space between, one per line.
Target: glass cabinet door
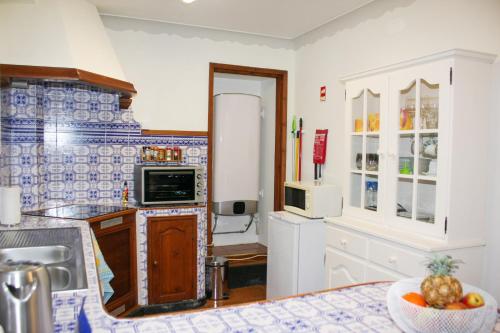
416 159
364 141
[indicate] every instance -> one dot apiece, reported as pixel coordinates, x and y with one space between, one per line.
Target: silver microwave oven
313 200
160 185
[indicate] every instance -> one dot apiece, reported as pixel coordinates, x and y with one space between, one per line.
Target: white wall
56 33
266 203
169 64
492 272
266 89
382 33
236 84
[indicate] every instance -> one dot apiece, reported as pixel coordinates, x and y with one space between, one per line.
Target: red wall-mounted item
319 152
322 93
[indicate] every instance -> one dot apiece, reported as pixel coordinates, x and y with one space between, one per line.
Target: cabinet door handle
392 260
155 263
392 155
343 242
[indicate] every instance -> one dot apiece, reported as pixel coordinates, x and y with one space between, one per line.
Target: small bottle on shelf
371 195
125 194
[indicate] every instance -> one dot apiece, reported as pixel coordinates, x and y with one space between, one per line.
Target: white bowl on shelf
413 318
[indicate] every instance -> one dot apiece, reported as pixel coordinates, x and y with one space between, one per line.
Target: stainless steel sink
60 249
44 254
60 277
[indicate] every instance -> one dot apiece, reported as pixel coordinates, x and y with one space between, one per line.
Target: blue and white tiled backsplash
71 143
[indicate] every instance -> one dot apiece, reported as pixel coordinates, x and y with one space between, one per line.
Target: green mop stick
294 130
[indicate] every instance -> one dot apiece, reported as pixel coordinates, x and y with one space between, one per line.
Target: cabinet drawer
346 241
398 259
377 273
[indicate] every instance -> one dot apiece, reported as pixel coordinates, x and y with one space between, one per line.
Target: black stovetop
77 212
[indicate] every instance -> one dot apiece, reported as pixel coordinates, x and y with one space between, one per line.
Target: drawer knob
392 260
343 242
155 263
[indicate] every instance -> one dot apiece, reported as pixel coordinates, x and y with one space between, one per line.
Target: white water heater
236 154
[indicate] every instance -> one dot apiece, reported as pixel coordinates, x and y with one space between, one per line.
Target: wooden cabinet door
172 258
116 239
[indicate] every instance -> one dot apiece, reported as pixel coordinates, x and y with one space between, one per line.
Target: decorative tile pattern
142 238
356 309
68 143
71 143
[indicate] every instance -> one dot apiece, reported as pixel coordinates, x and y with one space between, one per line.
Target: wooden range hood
124 88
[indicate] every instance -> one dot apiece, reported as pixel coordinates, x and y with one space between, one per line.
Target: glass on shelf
426 201
373 111
357 112
356 151
406 165
355 199
405 153
407 107
372 146
429 105
371 191
404 200
428 154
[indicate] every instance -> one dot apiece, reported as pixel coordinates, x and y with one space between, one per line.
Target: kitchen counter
82 212
358 308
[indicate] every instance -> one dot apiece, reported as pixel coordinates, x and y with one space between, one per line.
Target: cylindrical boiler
237 124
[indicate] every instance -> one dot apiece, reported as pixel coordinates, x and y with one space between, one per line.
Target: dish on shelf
403 212
428 148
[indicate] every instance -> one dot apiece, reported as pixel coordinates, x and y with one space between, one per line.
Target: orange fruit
415 298
456 306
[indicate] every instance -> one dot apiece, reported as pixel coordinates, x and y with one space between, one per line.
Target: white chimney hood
56 33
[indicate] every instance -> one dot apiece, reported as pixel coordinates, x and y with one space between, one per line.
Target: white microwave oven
313 200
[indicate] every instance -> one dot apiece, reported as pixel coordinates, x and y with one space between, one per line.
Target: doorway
281 84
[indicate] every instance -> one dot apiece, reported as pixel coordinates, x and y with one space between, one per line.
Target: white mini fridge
296 255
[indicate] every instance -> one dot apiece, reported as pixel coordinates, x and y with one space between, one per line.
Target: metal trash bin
216 278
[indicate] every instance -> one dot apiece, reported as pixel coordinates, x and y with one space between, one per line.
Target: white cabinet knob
392 155
392 260
343 242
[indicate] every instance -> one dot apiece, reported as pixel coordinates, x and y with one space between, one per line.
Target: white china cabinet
416 168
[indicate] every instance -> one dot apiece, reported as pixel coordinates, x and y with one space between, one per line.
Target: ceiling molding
279 19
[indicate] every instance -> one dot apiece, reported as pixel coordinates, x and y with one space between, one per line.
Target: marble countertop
354 309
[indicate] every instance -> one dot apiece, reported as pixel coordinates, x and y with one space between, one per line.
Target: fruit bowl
414 318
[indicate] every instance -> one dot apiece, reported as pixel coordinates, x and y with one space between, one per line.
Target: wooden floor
239 296
242 254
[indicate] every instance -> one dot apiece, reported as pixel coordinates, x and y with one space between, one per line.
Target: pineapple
441 288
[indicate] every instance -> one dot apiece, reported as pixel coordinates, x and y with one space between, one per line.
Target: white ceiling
275 18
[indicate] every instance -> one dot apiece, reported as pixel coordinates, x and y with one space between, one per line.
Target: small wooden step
238 254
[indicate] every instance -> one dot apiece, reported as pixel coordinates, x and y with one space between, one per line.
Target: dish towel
104 272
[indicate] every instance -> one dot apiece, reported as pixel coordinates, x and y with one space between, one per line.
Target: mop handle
300 149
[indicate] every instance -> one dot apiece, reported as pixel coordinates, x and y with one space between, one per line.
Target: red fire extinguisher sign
322 93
